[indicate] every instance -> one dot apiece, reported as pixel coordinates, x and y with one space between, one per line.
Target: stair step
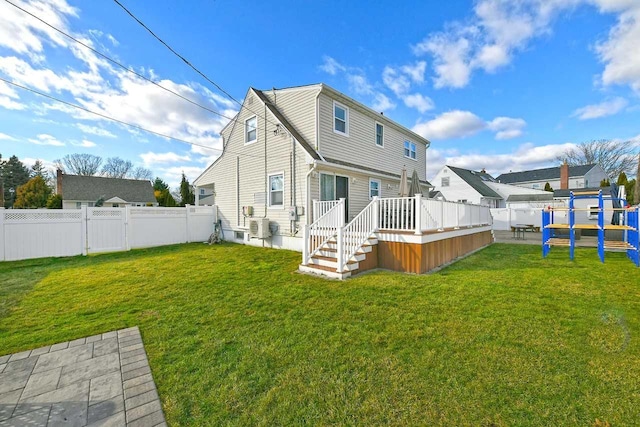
331 262
324 271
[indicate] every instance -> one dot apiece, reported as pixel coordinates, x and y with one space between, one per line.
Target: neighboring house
204 196
78 191
287 148
480 188
574 177
587 208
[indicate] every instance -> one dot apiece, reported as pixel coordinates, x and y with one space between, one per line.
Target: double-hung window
410 149
374 188
340 119
276 190
251 130
379 135
445 181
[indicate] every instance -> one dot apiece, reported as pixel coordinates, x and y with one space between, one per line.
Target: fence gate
106 230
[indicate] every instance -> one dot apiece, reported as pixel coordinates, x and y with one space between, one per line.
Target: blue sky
504 85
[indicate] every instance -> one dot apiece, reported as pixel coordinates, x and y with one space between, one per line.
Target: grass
236 337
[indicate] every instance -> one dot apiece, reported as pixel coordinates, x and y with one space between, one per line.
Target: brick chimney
564 176
59 182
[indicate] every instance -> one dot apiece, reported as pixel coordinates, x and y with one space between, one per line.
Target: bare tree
613 156
79 164
141 173
115 167
636 192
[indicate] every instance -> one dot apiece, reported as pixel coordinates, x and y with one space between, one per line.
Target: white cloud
45 139
151 158
396 81
382 103
6 137
85 143
507 127
606 108
419 102
331 66
452 124
9 97
451 58
416 71
359 84
94 130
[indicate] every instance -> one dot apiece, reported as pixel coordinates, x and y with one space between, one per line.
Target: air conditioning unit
259 228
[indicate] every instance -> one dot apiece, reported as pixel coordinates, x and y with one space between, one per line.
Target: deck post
305 244
344 211
376 213
418 215
340 250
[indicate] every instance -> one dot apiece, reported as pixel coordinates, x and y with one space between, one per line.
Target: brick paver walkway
103 380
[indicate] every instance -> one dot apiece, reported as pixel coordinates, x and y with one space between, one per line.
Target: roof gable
92 188
476 181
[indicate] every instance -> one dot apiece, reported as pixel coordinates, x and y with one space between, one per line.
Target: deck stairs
325 261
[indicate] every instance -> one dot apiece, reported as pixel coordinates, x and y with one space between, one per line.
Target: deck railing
352 236
322 207
322 229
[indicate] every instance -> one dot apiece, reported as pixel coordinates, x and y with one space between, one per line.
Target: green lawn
236 336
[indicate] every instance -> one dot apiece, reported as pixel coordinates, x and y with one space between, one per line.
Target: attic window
250 131
445 182
340 119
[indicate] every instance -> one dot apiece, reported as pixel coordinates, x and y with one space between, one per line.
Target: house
78 191
561 177
466 186
292 151
204 196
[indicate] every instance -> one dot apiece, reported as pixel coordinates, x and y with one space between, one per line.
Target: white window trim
334 174
246 133
379 187
333 118
269 205
376 134
415 150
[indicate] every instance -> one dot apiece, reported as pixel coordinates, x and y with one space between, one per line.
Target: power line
97 52
120 121
186 61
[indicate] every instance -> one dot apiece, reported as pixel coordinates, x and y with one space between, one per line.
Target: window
78 205
327 187
276 190
445 182
202 191
250 130
410 150
379 135
374 188
593 212
340 119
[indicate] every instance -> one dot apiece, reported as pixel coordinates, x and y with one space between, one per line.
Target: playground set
625 220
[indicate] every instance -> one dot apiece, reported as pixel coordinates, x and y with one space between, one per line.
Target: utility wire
124 67
104 116
186 61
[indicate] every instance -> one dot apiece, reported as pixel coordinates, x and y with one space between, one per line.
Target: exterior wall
458 188
574 182
298 106
594 176
359 147
240 173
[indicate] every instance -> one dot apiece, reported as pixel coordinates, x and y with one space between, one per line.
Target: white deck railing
322 229
352 236
322 207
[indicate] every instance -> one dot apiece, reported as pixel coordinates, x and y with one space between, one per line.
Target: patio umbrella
404 185
415 184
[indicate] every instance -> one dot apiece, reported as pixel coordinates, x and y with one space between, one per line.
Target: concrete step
324 271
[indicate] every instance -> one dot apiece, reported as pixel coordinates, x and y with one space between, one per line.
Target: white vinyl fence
38 233
505 218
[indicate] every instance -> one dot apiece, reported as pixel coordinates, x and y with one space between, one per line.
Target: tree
605 183
159 184
547 187
612 155
186 193
79 164
622 179
141 173
631 191
54 202
13 174
636 191
33 194
115 167
165 198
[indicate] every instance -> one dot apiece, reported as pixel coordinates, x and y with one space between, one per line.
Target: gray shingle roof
546 174
565 193
476 180
91 188
530 197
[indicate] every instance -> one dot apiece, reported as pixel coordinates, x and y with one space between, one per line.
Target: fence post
305 244
127 227
84 225
344 211
376 213
2 241
418 215
188 222
441 225
457 227
315 210
340 251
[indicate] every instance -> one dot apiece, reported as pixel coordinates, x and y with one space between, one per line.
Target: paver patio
102 380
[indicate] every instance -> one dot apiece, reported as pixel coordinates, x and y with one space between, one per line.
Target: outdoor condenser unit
259 228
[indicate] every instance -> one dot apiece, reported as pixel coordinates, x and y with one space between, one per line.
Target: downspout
318 122
308 198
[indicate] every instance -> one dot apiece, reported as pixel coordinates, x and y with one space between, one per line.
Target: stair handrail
352 236
319 232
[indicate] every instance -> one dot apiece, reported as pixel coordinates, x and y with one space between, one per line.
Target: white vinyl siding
276 190
250 130
374 188
340 119
379 135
